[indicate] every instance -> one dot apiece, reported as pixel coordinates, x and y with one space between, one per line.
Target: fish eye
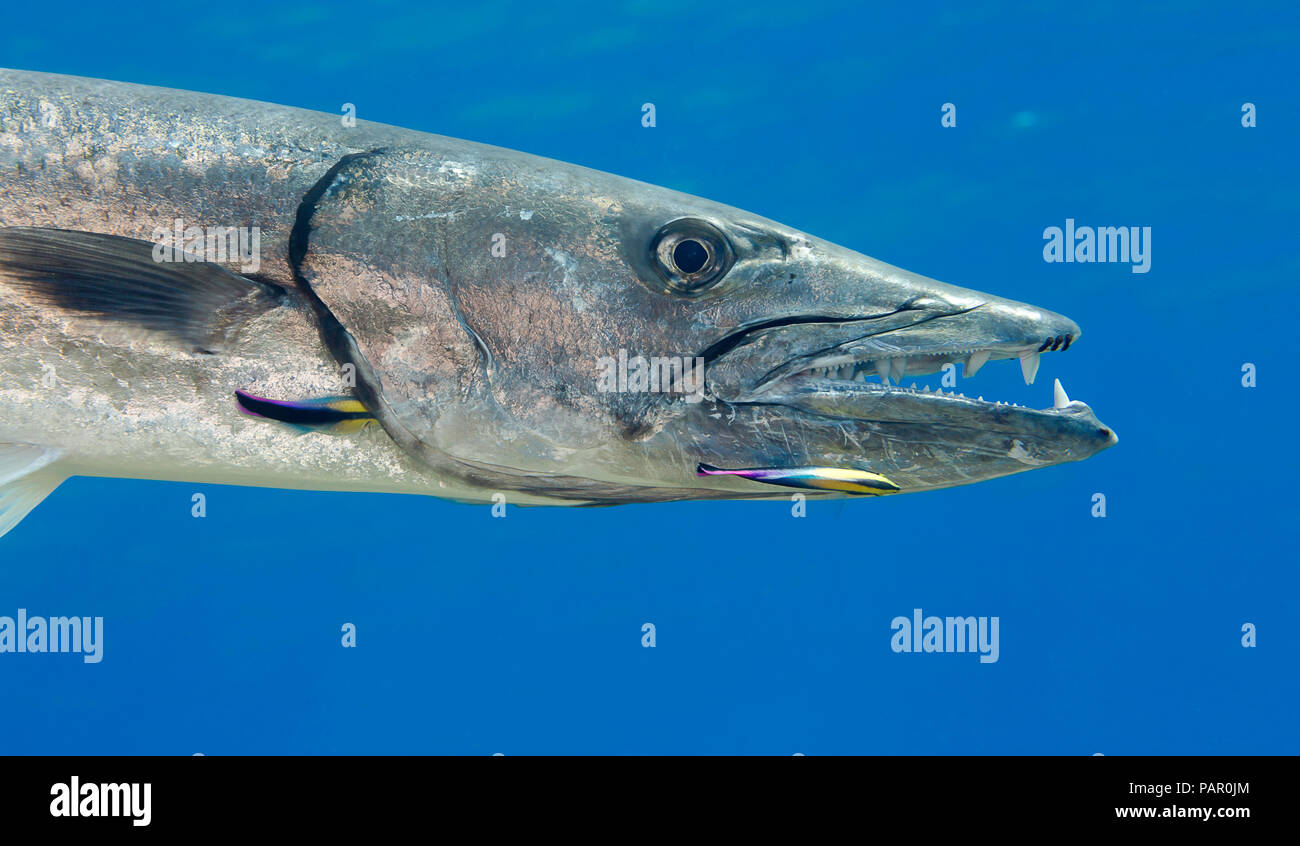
690 256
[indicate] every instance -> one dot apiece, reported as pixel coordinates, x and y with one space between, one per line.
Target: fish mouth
891 364
845 372
884 403
887 348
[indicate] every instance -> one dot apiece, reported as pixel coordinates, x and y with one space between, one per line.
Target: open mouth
826 401
845 371
884 402
877 437
884 360
895 368
923 335
839 380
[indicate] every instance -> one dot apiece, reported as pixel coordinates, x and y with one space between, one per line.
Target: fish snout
1020 326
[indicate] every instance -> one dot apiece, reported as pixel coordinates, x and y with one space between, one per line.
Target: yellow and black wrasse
844 479
328 414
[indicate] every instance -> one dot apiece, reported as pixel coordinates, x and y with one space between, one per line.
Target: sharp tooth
1059 398
975 362
1029 365
882 367
897 367
859 376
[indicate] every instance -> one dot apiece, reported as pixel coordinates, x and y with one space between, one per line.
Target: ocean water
1118 635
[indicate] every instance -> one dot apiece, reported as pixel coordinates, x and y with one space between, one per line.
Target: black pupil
690 256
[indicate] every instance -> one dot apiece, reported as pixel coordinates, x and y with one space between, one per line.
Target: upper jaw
858 318
846 374
902 344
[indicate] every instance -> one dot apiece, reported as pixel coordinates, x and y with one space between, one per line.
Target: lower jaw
868 400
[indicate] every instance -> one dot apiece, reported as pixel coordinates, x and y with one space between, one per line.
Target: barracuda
427 315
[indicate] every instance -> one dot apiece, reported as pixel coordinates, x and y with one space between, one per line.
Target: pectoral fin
843 479
27 475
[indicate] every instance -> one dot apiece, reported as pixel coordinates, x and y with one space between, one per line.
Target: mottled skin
480 364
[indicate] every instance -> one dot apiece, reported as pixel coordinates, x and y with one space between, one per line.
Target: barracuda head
575 336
